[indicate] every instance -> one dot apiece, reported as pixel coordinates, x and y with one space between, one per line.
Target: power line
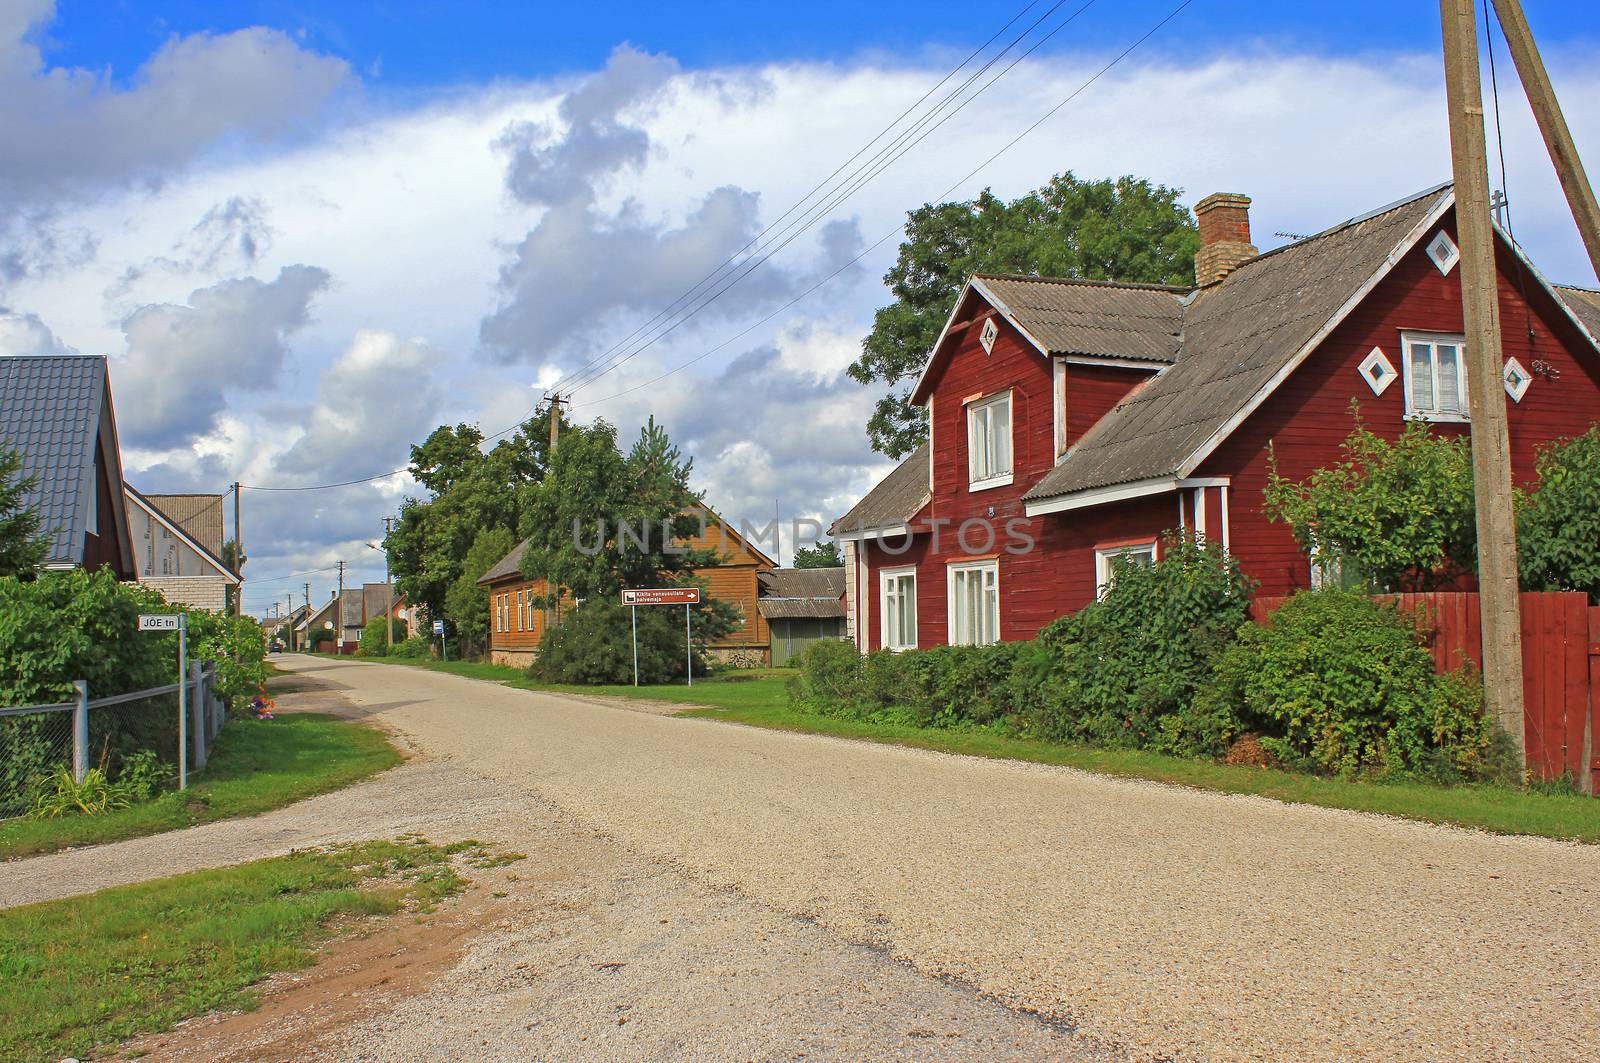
863 175
897 229
586 367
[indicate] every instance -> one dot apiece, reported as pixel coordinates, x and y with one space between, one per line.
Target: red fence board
1560 669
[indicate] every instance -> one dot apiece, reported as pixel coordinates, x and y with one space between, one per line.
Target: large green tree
1124 229
466 603
470 490
824 554
22 547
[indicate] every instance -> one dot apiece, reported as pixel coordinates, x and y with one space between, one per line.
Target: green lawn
759 699
88 972
256 765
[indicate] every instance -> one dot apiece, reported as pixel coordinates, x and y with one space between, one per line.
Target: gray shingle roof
801 594
1584 304
1095 318
1237 335
510 565
895 500
50 408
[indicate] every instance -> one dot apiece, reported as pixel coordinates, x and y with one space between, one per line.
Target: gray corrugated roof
895 500
1096 318
200 517
510 565
800 608
50 408
1236 336
1584 304
803 582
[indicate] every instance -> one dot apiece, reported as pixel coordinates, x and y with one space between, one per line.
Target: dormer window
989 442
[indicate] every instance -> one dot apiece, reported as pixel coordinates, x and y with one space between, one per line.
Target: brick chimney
1225 245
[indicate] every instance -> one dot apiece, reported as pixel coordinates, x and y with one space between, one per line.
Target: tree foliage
1124 229
1400 513
22 547
470 490
466 603
822 555
1558 526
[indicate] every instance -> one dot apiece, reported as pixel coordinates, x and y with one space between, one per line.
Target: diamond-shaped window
1516 379
987 334
1443 251
1377 371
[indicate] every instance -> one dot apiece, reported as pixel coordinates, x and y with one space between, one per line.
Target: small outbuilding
801 606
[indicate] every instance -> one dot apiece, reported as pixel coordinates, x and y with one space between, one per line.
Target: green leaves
1127 229
1558 527
22 544
1401 513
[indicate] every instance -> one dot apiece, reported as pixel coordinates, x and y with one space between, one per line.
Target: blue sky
308 233
409 45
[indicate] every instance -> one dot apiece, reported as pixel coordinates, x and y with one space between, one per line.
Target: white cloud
26 334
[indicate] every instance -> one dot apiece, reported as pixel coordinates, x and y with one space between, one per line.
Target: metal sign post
684 596
176 622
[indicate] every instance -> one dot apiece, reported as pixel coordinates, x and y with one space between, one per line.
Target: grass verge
86 972
256 766
759 699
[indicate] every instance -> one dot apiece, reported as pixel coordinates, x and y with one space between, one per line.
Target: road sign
158 621
176 622
662 596
438 627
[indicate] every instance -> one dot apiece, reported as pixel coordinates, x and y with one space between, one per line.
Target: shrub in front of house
412 649
1558 525
593 643
321 640
1338 683
375 637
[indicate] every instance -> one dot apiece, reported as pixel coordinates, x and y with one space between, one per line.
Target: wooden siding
1307 418
1093 391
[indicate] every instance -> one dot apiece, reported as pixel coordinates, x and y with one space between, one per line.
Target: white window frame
989 567
974 409
1104 555
1432 340
1058 392
885 577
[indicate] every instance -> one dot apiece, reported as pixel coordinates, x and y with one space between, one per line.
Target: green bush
375 637
1342 684
593 643
321 637
829 679
1124 667
1558 526
414 648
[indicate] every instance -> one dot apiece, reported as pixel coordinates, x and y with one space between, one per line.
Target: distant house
56 412
180 557
801 606
516 624
1073 422
378 598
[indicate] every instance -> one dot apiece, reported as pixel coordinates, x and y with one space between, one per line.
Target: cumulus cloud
580 265
183 360
73 130
231 236
22 333
377 399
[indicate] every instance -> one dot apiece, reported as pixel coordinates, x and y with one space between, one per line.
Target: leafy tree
375 636
466 603
230 557
469 490
600 522
1124 229
22 547
822 555
1558 526
1401 513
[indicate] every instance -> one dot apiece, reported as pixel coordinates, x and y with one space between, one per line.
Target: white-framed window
974 602
1442 250
989 442
1436 376
1058 387
898 595
1143 553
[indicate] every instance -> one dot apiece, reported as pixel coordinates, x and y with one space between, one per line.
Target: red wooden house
1071 421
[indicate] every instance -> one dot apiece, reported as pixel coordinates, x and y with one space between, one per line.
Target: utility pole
1480 300
238 554
289 601
338 612
555 423
1557 137
388 584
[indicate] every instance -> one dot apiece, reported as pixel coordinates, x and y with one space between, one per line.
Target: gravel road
1167 921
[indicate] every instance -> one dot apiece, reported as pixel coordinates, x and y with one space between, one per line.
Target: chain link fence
38 742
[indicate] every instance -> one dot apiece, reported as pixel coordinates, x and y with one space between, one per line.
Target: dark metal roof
1584 304
895 500
1093 318
50 412
1237 335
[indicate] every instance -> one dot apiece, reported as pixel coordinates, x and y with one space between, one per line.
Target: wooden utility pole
238 554
1480 301
555 424
388 584
1552 125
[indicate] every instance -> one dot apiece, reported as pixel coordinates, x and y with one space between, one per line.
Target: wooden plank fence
1560 669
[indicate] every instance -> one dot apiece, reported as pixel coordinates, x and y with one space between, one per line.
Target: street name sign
158 621
662 596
